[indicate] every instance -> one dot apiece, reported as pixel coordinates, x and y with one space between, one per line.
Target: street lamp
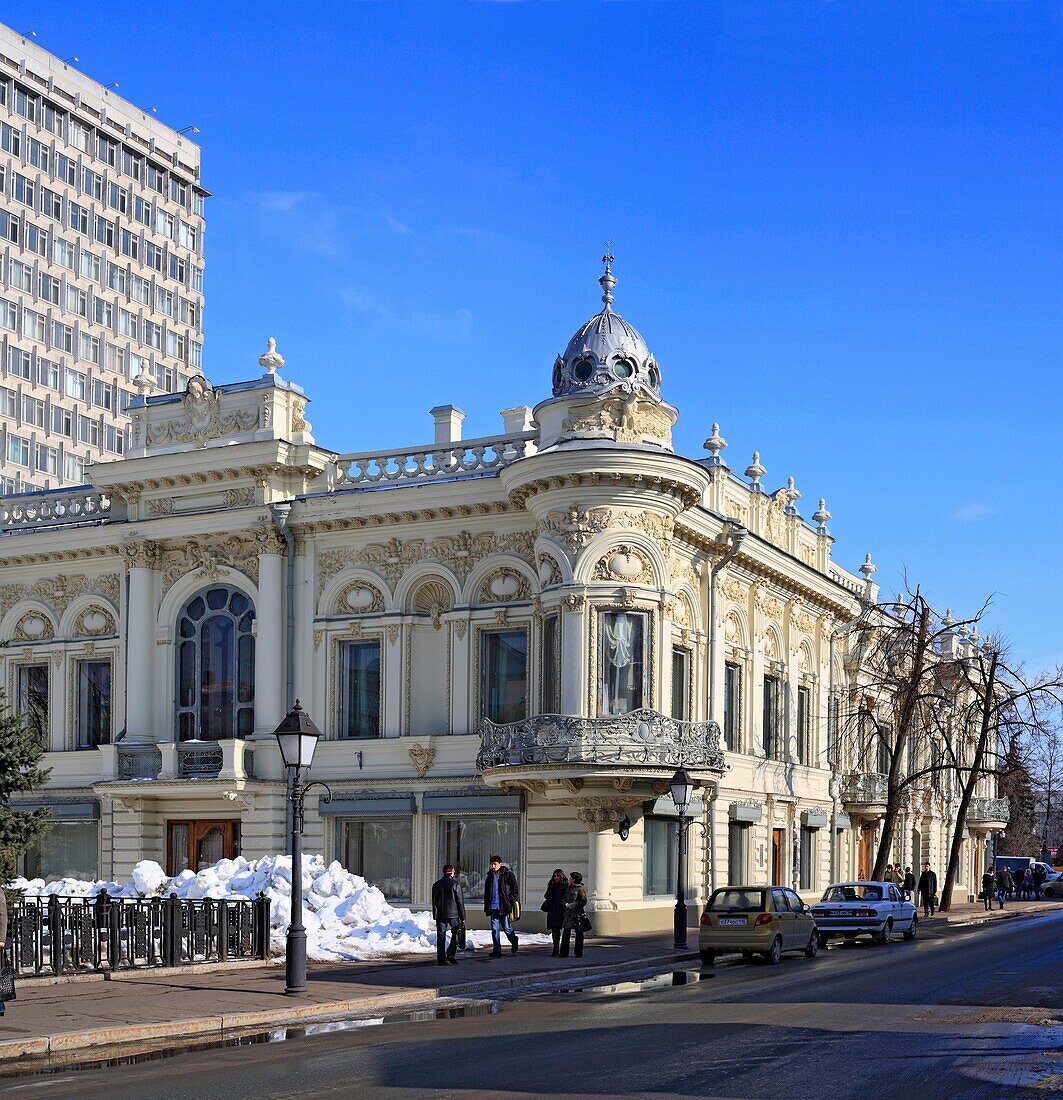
682 789
297 737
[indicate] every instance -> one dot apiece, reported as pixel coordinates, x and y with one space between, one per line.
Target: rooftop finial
755 471
714 444
607 280
271 359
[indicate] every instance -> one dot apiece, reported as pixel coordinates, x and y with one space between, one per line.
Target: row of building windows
772 719
92 711
83 385
87 139
44 241
31 193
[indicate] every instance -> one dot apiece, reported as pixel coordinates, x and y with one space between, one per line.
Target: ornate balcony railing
864 788
30 510
641 738
406 465
988 809
139 761
199 761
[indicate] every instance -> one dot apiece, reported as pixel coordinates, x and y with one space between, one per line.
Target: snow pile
346 918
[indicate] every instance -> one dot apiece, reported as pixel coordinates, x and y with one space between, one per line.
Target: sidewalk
974 912
144 1005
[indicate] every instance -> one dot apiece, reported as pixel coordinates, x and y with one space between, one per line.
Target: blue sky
837 225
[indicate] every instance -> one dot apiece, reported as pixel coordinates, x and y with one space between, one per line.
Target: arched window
216 666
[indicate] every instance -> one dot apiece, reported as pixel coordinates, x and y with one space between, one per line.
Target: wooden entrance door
193 845
863 855
778 850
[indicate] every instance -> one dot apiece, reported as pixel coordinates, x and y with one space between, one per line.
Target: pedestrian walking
3 938
448 911
909 884
554 906
1038 881
1027 885
500 900
1005 884
575 906
888 876
988 882
927 889
898 876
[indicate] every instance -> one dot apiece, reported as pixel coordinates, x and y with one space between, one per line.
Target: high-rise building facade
101 265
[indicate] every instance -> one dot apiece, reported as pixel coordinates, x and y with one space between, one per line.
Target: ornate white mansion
510 643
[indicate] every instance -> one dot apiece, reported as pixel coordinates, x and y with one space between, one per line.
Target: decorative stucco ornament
606 354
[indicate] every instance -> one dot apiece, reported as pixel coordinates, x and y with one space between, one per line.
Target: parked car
1053 889
756 920
875 909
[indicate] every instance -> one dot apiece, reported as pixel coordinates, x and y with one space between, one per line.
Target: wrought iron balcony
639 739
985 811
199 760
864 789
139 761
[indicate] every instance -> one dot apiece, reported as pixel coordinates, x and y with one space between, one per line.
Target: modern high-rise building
101 265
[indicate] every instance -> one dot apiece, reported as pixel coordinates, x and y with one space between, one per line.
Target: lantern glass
682 788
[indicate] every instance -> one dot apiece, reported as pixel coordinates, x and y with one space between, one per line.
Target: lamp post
297 737
682 790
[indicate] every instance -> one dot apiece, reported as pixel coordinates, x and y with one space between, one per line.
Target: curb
219 1026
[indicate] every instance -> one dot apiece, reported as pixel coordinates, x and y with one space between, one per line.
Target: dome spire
608 280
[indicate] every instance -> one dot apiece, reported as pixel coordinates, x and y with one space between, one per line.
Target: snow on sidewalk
346 918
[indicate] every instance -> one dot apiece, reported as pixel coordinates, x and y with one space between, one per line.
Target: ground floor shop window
69 849
469 842
660 856
808 859
193 845
381 851
737 853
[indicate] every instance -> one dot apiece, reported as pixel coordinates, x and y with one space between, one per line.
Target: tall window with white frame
359 689
772 738
504 675
737 853
660 855
804 729
94 703
32 699
732 706
681 683
622 662
807 878
550 673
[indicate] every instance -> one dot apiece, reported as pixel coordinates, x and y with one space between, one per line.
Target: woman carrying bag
7 973
575 917
554 906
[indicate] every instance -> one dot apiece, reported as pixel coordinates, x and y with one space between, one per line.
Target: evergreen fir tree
20 772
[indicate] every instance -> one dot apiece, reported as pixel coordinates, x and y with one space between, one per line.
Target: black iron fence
64 935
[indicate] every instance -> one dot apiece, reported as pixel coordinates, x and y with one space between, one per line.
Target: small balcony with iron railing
988 813
864 792
563 754
230 759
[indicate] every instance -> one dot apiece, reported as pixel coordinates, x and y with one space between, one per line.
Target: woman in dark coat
554 906
575 904
3 933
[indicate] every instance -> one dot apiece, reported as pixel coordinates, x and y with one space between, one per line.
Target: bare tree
1047 761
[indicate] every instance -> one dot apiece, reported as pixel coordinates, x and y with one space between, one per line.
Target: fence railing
55 935
76 505
415 464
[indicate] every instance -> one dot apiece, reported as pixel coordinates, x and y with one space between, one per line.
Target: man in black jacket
928 890
500 896
448 911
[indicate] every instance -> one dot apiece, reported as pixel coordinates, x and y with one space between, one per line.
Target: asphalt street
958 1013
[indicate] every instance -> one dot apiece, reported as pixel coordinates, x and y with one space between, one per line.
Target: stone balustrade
29 511
405 465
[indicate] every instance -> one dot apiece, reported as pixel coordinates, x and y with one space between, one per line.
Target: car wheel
708 958
886 935
909 933
774 953
812 950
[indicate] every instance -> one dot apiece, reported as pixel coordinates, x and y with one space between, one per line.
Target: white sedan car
875 909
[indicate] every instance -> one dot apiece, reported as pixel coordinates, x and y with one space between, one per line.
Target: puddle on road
447 1011
652 984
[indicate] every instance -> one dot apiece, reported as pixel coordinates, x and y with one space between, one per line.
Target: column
600 824
141 559
574 663
271 626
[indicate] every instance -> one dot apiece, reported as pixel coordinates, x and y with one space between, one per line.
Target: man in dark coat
500 896
1005 885
988 883
448 911
1038 881
3 933
928 890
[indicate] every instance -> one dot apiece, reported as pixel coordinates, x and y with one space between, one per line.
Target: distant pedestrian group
1002 885
565 905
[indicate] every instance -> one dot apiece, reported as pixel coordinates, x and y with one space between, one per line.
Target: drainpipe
280 513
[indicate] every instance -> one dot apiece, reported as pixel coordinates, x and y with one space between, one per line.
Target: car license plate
733 920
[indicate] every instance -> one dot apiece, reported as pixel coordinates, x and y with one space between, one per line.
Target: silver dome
606 354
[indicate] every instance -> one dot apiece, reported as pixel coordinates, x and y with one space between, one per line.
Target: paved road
973 1013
